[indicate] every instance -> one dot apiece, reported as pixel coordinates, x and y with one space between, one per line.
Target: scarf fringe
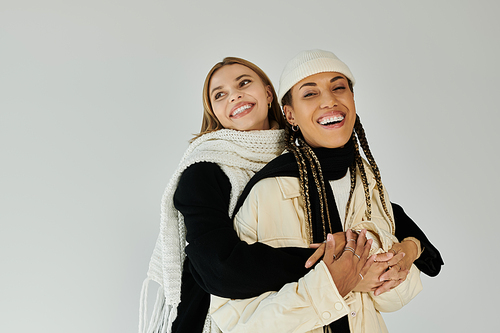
162 316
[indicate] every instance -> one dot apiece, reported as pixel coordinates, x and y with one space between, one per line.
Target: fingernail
329 237
404 254
308 264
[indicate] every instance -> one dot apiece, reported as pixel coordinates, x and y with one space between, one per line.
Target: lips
241 109
332 119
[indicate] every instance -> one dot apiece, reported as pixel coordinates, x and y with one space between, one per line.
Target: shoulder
283 165
200 179
200 171
274 188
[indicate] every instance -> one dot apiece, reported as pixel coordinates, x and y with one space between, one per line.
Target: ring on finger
361 276
357 255
351 240
348 248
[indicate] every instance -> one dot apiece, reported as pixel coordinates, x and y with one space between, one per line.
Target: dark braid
320 186
360 132
304 189
364 180
303 153
352 172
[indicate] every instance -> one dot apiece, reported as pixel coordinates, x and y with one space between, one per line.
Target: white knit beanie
308 63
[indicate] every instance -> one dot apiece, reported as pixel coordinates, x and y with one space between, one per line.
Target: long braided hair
304 156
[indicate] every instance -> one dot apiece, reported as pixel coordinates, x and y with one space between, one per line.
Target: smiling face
239 98
323 108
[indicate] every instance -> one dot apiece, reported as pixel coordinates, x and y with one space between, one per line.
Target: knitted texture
308 63
240 155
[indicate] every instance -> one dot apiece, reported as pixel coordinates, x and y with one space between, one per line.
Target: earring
269 105
295 128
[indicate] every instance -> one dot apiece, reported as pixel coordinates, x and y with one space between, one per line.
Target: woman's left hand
410 251
399 265
390 279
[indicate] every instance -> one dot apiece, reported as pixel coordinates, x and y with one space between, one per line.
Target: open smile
332 120
241 110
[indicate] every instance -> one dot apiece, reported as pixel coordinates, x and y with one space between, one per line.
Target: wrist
413 244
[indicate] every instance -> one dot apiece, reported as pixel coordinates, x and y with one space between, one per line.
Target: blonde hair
210 122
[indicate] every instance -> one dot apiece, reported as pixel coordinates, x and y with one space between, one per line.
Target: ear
289 114
269 93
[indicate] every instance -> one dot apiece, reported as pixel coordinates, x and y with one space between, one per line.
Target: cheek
219 114
218 109
305 117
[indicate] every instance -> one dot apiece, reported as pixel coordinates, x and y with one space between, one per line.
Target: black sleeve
430 260
220 262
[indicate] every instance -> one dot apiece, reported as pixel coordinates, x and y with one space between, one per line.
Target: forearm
235 269
430 260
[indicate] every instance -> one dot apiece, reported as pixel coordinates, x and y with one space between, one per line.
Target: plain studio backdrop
98 100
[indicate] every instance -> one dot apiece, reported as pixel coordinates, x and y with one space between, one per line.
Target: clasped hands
346 256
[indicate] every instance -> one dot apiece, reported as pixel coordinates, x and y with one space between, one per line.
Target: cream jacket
273 213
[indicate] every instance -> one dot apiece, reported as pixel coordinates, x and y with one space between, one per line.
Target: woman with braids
241 132
321 187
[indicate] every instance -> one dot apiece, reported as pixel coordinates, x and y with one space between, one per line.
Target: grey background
98 100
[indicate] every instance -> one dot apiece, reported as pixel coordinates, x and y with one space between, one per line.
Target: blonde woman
241 132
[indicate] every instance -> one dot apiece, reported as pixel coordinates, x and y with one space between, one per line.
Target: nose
328 100
236 96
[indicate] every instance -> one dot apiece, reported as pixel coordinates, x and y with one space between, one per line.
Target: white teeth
241 109
335 119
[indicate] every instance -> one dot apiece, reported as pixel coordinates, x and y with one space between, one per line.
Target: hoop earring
269 106
295 128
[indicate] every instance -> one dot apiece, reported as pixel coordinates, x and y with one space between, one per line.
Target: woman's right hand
338 237
348 270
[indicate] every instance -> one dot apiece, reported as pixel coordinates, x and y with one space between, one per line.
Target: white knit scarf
240 155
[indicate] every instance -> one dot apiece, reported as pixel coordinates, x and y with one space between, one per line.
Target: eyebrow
313 84
242 76
236 80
